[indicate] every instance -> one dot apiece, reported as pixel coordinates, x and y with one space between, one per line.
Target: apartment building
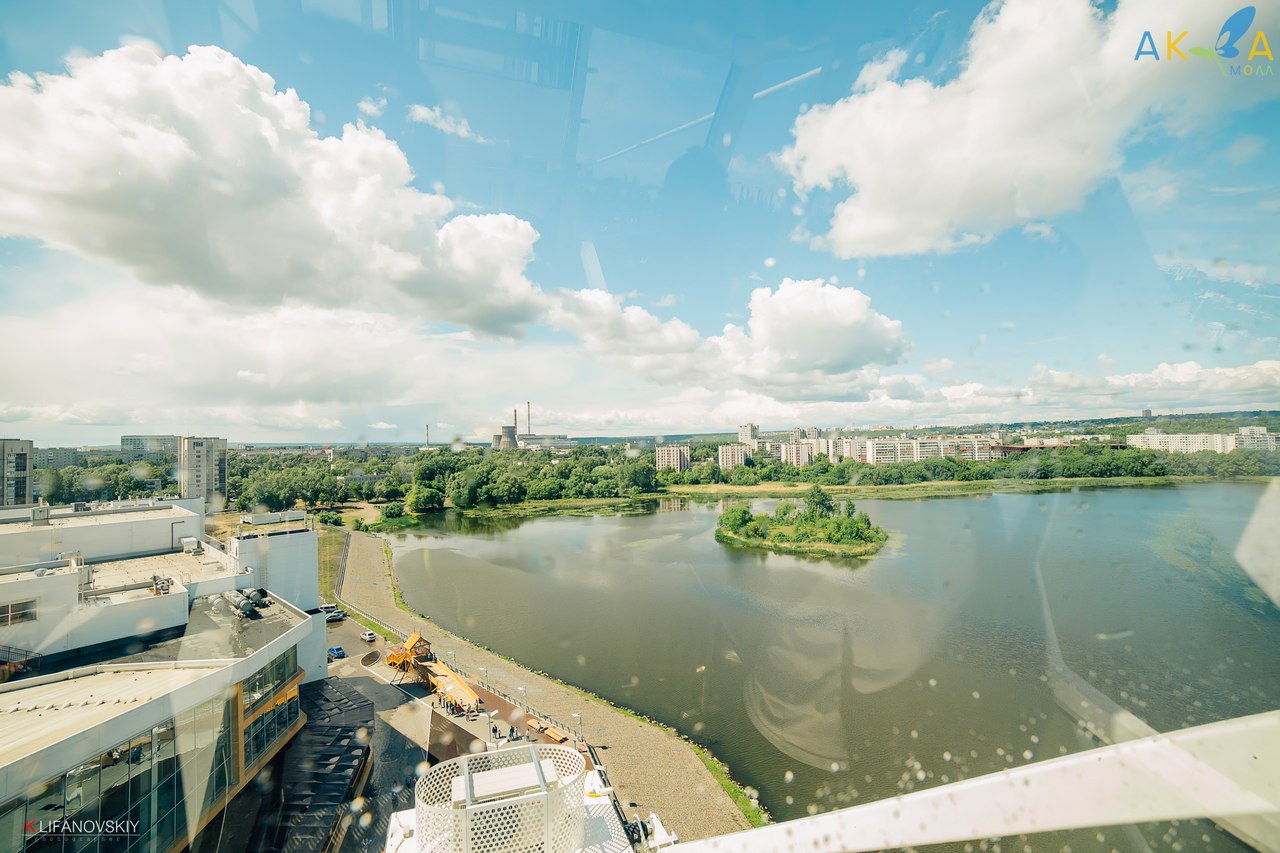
798 453
673 456
148 448
202 468
730 456
748 433
1154 439
56 457
16 457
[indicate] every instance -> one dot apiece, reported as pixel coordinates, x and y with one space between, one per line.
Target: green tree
423 498
735 518
818 504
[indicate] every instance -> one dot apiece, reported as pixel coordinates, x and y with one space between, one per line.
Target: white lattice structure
521 798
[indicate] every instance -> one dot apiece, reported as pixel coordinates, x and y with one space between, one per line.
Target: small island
820 529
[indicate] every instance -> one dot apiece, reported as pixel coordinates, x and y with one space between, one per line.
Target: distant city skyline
369 241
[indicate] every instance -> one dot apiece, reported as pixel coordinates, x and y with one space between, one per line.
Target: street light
581 736
484 675
524 697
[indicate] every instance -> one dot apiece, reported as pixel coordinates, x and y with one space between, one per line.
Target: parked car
337 653
368 636
335 616
328 608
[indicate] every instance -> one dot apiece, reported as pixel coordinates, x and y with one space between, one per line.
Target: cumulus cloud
452 125
1024 131
371 108
806 339
382 425
196 171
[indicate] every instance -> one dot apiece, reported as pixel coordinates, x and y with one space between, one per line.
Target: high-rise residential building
1146 413
15 471
795 436
148 448
748 433
1255 438
1154 439
202 468
730 456
56 457
812 432
798 454
674 456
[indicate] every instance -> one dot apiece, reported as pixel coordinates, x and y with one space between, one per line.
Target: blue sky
332 224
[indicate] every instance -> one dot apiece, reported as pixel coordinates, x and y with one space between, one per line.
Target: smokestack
528 418
515 420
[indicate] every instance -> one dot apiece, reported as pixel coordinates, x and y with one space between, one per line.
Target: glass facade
148 789
262 733
259 687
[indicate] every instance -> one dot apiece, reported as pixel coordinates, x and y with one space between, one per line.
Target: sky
328 221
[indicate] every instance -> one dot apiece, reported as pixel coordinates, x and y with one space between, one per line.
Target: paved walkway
649 766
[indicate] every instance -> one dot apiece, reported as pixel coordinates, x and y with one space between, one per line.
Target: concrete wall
63 624
287 563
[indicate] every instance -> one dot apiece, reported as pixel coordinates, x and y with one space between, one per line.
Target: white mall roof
33 718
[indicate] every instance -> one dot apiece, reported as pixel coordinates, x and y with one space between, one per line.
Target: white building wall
118 535
64 624
285 562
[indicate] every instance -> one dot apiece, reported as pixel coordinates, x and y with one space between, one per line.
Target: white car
368 636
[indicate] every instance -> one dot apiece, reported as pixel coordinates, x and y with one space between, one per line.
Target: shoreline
576 507
948 488
651 763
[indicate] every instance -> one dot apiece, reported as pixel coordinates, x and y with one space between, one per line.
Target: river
824 684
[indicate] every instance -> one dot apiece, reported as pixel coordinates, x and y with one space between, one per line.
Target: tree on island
820 522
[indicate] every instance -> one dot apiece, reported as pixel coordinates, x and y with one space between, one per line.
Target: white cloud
371 108
666 301
1024 131
196 171
1105 361
1039 229
448 124
382 425
938 365
804 340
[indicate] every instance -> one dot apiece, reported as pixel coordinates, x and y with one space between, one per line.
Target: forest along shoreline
649 763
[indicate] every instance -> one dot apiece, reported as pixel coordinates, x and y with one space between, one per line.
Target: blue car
337 653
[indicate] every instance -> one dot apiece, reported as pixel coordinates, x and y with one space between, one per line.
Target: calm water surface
824 684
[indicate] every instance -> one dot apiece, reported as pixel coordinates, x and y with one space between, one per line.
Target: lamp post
524 697
581 735
484 675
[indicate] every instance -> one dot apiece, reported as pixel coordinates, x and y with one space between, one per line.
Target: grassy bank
943 488
747 804
329 546
862 550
